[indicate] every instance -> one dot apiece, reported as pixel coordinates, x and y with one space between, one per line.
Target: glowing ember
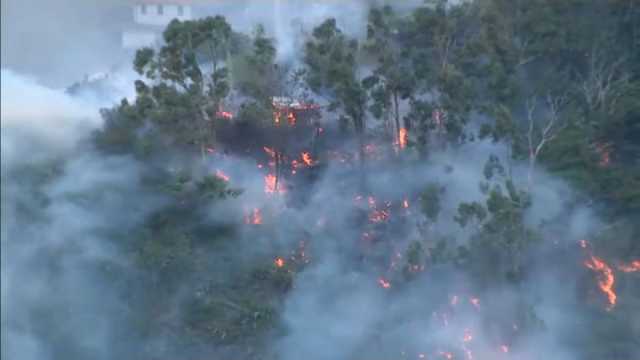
272 186
475 302
221 175
604 150
291 118
279 262
306 157
504 348
405 203
631 267
254 218
468 336
378 216
403 135
606 278
446 355
224 115
583 244
211 150
384 283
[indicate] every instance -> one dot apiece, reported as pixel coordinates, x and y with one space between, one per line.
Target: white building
150 17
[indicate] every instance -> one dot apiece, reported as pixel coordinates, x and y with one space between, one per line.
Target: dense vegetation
555 85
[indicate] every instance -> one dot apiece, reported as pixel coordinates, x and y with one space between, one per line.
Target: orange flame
606 278
631 267
504 348
405 203
279 262
291 117
378 216
475 302
403 135
255 217
224 115
306 157
221 175
384 283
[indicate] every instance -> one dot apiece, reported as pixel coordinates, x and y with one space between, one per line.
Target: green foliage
493 167
430 200
469 212
257 75
449 63
392 79
212 187
502 238
331 60
183 87
416 257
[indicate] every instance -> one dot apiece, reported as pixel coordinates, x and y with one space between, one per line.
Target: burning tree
392 79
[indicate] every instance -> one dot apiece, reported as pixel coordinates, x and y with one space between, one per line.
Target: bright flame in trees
384 283
306 157
254 217
606 279
221 175
279 262
403 135
291 118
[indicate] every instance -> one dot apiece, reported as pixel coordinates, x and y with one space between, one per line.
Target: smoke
68 213
61 212
61 228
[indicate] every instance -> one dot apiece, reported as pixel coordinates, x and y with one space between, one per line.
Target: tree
439 40
260 78
538 135
332 72
392 78
502 238
186 79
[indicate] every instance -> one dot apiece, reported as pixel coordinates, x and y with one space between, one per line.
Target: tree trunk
532 166
396 115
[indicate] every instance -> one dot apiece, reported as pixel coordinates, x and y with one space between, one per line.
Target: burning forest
411 187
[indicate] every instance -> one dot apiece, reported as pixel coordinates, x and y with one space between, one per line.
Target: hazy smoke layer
61 211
